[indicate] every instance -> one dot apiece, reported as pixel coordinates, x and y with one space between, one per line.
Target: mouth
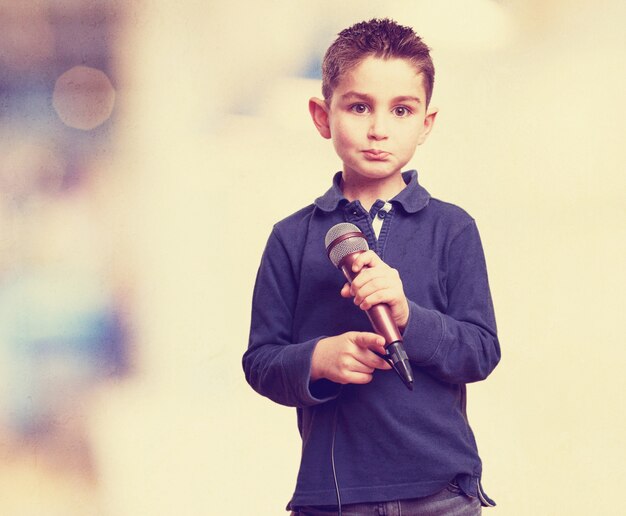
375 154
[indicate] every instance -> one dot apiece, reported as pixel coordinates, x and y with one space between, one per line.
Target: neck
367 191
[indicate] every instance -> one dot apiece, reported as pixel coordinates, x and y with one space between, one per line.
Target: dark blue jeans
451 501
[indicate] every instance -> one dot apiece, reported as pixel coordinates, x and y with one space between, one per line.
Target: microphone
344 242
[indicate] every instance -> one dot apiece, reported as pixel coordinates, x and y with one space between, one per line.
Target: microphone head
344 239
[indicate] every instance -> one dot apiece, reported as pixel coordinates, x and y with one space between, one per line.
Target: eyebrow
364 96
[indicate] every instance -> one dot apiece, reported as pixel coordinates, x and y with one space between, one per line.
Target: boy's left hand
377 283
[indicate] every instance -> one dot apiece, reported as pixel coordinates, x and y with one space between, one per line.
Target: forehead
380 77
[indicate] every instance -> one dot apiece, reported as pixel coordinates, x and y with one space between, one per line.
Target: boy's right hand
348 358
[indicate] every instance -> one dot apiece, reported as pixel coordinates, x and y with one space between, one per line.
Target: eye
401 111
359 109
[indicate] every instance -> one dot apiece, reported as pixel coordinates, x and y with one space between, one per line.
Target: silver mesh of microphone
337 252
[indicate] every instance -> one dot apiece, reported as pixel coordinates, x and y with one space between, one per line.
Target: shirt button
381 214
354 212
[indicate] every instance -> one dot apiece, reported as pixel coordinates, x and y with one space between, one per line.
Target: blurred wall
213 144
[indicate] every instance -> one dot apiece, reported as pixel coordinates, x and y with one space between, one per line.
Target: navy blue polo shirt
390 443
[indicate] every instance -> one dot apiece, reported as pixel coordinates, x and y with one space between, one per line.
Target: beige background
529 141
214 136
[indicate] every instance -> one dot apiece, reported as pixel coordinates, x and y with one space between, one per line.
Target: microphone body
344 243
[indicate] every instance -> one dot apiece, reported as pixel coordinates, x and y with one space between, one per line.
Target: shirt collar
412 198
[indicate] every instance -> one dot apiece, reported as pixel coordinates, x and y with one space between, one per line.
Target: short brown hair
383 38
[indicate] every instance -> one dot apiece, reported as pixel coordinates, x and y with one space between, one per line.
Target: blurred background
146 149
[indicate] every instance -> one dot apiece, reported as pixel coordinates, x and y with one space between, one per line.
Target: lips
375 154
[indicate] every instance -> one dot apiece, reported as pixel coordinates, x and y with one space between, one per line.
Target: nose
378 127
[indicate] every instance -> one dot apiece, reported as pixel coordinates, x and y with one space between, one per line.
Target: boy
369 444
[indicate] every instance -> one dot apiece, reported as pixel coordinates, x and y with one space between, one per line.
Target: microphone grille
350 245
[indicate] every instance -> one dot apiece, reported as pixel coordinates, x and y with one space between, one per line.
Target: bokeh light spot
83 97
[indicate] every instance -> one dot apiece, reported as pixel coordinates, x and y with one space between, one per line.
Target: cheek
411 145
411 139
346 129
344 135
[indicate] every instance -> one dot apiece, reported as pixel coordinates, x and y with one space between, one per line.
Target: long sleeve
275 366
460 345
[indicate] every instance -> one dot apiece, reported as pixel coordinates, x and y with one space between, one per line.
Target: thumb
345 290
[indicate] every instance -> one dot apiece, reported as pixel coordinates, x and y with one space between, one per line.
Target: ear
429 122
319 114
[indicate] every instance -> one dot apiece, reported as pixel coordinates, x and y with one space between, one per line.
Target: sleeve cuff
423 334
297 370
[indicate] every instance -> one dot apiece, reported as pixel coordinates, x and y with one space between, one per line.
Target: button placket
384 229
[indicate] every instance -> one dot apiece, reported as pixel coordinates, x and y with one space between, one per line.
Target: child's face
377 117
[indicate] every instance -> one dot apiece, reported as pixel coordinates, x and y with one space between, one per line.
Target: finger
359 365
370 344
365 276
383 271
358 378
384 365
351 363
368 340
367 259
371 360
377 297
345 290
368 288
